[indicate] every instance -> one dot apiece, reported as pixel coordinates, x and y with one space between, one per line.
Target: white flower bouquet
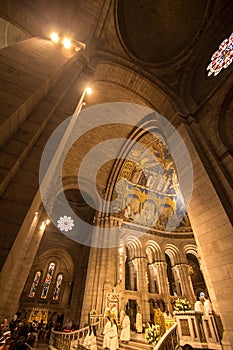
152 333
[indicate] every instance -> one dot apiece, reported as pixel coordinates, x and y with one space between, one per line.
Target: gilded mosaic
148 191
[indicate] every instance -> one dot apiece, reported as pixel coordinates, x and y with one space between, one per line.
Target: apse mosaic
148 192
221 58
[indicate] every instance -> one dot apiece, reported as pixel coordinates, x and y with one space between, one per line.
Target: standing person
90 339
122 315
159 319
86 339
107 330
139 322
199 304
125 332
114 336
206 303
5 326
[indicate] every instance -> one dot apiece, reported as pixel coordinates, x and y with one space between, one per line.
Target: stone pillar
161 267
132 275
186 283
141 264
101 274
121 268
24 130
176 274
211 225
14 275
151 276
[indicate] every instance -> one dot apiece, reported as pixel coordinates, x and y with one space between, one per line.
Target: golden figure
159 319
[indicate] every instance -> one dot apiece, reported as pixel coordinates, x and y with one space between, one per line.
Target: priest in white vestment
125 332
107 330
114 336
139 322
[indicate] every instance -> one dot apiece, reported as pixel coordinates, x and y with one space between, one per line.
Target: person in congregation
5 326
113 344
125 332
107 330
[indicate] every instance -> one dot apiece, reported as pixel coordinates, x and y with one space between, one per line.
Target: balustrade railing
169 340
72 340
197 330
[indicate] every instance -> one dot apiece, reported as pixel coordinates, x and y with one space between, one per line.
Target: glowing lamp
54 37
66 43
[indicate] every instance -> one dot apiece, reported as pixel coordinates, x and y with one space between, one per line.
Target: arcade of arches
166 246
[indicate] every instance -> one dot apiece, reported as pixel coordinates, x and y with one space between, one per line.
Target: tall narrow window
34 284
48 280
57 287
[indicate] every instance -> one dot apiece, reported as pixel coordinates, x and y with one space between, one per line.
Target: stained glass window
221 58
48 280
34 284
57 287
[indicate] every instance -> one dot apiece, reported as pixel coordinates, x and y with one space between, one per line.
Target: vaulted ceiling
152 53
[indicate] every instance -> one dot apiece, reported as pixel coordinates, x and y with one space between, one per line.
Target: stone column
163 285
176 275
30 118
13 276
151 276
141 264
121 267
185 281
132 274
211 223
96 276
102 270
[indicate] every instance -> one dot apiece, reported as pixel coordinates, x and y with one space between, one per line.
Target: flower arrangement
152 333
182 305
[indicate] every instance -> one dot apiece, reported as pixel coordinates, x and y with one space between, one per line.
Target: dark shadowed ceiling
157 31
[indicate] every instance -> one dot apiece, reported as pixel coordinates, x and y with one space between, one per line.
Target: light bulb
67 43
54 37
88 90
42 227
